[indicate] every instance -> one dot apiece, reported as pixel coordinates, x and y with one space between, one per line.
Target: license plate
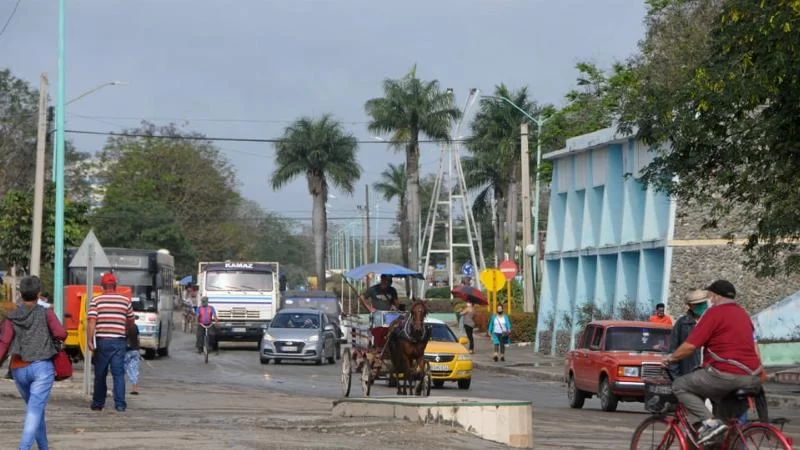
440 367
660 389
240 330
290 349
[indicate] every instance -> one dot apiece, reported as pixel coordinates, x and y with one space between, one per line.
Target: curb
539 375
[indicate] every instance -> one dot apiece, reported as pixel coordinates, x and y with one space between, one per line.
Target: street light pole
58 170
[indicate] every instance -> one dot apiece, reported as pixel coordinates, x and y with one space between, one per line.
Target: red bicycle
670 428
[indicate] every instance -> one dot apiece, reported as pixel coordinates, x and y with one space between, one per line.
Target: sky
247 68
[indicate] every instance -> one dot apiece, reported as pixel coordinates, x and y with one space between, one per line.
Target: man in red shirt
108 317
730 358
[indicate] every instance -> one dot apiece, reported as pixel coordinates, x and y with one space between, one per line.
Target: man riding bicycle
730 358
206 315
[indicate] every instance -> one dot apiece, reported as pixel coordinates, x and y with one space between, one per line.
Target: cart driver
382 296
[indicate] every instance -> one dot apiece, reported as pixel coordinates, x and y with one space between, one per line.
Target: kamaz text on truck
245 295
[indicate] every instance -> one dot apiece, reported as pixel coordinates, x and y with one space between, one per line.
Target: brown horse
407 343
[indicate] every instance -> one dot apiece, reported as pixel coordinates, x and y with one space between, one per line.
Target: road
236 402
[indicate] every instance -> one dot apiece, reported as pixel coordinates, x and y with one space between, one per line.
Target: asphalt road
556 425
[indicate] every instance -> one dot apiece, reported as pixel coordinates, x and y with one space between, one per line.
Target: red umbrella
469 294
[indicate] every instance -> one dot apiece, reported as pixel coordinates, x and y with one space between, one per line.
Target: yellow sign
492 279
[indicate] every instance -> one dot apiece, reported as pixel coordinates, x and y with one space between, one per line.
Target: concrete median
506 422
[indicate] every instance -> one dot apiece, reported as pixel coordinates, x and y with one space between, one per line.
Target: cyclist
730 358
205 316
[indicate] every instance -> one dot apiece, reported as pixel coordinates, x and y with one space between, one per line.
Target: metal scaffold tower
450 209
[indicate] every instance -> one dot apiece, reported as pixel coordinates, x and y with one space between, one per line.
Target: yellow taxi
447 355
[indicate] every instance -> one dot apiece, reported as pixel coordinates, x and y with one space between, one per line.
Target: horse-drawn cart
369 355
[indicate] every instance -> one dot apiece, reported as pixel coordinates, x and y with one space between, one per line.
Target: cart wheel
427 381
366 378
347 368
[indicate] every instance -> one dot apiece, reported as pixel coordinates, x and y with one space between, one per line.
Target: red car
610 360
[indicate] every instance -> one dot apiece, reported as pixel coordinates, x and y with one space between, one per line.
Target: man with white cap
696 303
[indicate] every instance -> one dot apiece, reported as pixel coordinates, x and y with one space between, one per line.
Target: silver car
299 334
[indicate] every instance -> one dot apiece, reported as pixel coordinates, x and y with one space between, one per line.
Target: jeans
708 383
502 346
109 352
34 383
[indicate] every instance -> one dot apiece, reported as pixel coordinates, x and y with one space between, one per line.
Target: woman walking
499 329
29 336
468 319
132 357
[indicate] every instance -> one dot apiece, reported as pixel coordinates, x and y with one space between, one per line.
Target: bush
439 292
523 327
481 318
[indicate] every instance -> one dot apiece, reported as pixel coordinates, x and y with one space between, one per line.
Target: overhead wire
10 18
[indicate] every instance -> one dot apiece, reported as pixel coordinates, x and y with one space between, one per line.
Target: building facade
615 249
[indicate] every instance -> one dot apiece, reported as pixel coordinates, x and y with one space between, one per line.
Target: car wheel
264 360
464 384
608 401
438 383
576 396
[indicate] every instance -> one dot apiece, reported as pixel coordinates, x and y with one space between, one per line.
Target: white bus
245 294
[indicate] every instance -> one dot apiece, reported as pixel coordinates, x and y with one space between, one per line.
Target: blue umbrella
382 269
185 281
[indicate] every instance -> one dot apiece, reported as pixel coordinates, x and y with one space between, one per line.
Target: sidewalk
523 362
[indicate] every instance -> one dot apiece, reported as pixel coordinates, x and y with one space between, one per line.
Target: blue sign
468 270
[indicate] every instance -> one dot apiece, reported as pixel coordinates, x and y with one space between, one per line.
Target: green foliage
523 326
589 312
16 220
438 292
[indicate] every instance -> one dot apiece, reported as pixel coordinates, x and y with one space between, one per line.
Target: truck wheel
149 353
576 396
163 352
608 401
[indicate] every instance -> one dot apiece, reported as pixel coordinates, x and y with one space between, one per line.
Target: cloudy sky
246 68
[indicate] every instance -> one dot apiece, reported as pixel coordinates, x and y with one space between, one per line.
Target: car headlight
268 337
313 338
628 372
464 357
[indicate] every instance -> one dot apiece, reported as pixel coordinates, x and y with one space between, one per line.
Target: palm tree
410 107
392 184
494 167
321 150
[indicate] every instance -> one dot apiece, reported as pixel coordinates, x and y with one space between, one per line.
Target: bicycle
671 415
206 344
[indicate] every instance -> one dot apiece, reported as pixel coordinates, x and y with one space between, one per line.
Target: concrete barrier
507 422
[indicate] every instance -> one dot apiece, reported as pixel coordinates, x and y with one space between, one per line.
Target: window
586 337
239 281
441 333
596 338
633 339
296 320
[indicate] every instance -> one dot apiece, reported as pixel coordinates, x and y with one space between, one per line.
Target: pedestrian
132 357
29 335
696 303
660 316
109 314
468 319
500 330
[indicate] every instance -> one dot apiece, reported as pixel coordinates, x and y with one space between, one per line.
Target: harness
735 363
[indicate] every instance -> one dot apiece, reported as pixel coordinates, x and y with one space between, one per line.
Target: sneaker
503 358
96 408
710 430
120 409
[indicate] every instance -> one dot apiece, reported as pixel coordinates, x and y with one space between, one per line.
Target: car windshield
238 280
143 299
637 339
442 333
295 320
327 305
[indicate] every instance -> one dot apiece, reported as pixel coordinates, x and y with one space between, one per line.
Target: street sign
468 270
492 279
509 269
99 258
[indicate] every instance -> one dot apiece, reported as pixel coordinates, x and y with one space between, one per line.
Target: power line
206 119
13 12
230 139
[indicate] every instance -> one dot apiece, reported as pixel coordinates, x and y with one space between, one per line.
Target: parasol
469 294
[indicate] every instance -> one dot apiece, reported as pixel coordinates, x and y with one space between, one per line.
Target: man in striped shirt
109 314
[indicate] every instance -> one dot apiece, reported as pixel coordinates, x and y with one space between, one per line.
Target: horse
407 342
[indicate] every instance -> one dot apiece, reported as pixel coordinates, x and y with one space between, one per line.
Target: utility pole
528 272
38 189
366 224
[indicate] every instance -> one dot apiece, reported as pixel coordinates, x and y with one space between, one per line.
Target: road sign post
493 280
509 270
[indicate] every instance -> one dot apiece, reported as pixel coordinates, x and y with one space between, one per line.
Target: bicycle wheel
757 435
658 433
205 346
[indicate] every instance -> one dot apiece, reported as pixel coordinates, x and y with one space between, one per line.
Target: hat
696 296
108 278
723 288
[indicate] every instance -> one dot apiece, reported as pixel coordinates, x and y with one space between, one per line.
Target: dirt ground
195 416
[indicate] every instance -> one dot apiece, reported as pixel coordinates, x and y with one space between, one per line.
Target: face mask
700 308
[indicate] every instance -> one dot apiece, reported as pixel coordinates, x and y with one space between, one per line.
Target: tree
494 167
410 107
176 171
731 121
16 219
321 150
283 240
392 185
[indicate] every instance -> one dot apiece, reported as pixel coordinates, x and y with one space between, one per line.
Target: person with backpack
29 335
206 314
